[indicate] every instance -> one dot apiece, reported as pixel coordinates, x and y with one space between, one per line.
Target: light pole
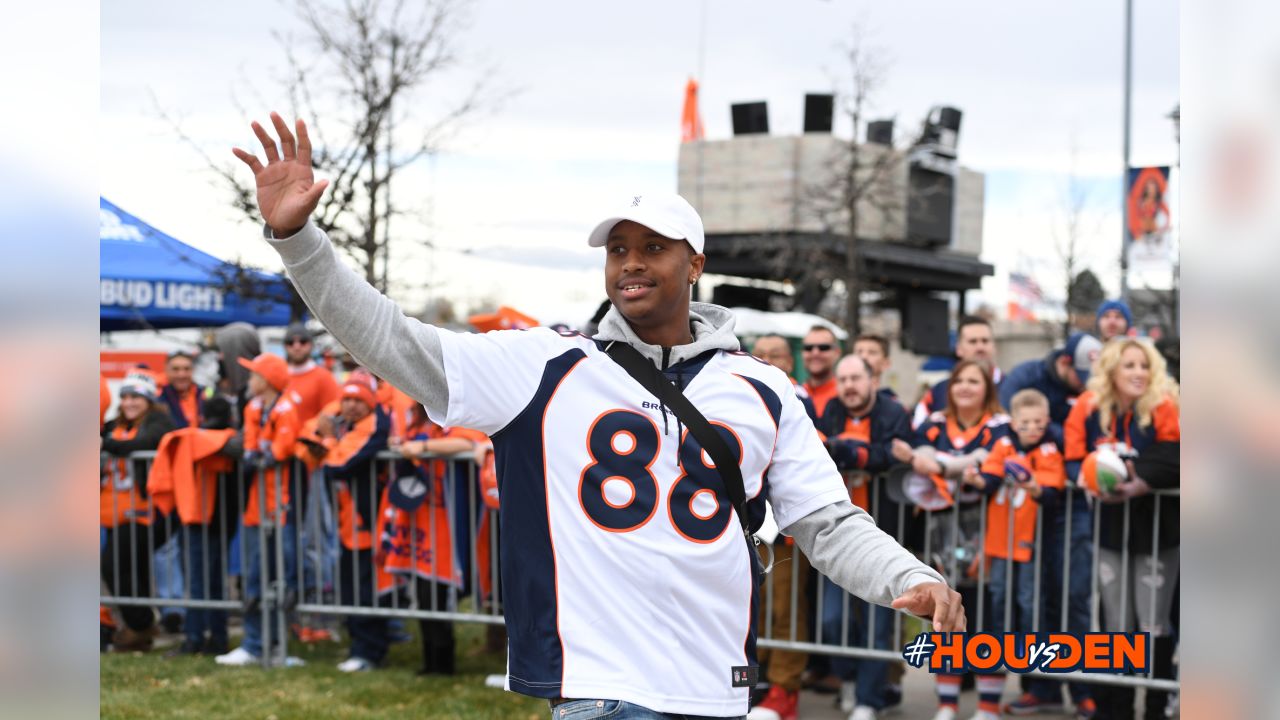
1124 179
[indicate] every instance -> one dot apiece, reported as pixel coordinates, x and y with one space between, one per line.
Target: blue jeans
203 564
1079 549
1023 593
318 538
167 571
255 577
370 635
616 710
870 675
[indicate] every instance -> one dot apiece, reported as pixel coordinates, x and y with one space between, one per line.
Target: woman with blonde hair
1131 408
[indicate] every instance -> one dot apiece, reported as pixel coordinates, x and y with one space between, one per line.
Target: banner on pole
1149 236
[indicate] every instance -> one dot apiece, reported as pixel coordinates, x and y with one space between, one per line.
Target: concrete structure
761 200
763 184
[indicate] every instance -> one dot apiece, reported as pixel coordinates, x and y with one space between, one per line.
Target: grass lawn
149 685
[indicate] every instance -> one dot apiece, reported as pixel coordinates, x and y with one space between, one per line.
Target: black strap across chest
653 380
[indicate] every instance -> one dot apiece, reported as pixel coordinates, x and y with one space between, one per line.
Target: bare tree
1070 230
361 89
861 172
820 251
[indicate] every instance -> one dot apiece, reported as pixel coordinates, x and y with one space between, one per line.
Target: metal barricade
953 541
300 577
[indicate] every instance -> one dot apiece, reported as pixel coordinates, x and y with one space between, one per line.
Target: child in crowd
271 428
1024 470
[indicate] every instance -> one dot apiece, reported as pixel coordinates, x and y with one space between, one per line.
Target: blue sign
151 280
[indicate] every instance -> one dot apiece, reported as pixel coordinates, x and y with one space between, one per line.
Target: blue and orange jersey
350 465
1045 463
1083 433
271 431
867 442
421 541
946 436
935 400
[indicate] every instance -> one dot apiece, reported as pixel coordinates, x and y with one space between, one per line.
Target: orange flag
690 120
506 318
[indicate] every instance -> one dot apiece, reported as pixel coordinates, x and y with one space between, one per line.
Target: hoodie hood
235 341
1048 368
711 326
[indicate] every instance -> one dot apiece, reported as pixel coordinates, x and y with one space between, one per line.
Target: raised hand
287 190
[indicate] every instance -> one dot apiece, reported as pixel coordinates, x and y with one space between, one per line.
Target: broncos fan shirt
1046 466
629 578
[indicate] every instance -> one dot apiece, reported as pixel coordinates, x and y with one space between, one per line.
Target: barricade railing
450 573
953 541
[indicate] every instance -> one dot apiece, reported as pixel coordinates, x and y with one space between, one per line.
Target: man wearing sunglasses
821 351
312 384
635 584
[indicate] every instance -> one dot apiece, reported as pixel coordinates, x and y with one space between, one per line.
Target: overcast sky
595 110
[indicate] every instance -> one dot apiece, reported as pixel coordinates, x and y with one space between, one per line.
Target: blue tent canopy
150 280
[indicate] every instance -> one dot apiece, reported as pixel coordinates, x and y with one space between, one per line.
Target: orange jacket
119 501
185 473
272 436
421 541
1049 472
308 437
120 497
104 400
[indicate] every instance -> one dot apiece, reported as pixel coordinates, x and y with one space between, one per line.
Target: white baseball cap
667 214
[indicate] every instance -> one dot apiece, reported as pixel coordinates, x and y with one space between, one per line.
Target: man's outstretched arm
843 543
399 349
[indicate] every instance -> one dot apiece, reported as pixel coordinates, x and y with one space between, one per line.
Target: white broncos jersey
625 574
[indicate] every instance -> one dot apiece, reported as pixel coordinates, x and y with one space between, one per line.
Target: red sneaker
779 704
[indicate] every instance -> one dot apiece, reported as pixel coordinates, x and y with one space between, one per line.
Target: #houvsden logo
1048 652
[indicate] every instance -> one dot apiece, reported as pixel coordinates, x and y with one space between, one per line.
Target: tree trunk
852 279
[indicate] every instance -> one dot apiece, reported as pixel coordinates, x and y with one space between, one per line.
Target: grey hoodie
234 341
841 540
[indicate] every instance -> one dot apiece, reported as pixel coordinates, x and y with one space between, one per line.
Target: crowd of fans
1012 453
279 460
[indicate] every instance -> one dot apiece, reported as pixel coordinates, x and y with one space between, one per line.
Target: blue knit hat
1115 305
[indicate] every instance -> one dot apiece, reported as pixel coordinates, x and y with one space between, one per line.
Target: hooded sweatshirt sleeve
397 348
843 543
841 540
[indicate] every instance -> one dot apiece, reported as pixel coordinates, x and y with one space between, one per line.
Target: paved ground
919 701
